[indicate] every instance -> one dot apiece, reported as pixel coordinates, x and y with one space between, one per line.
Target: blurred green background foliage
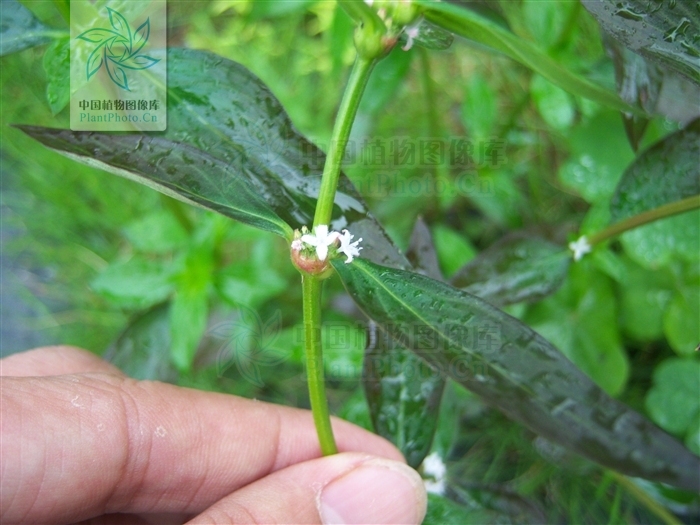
96 261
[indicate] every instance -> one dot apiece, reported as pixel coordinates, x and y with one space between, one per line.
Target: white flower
321 239
351 249
435 487
580 247
411 33
434 467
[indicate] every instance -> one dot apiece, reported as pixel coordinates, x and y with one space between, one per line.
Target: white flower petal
347 247
309 239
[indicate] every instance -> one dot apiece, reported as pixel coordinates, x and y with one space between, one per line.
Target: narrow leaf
471 25
421 251
176 169
665 32
666 172
403 392
19 28
517 268
217 106
638 83
516 370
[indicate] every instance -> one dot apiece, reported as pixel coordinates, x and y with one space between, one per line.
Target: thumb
344 488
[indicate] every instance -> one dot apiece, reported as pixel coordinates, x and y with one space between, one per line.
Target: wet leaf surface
666 31
19 28
668 171
516 370
403 392
220 108
177 170
517 268
638 83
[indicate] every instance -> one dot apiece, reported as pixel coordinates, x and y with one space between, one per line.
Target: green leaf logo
118 49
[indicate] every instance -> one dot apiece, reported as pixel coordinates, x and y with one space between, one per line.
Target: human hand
81 441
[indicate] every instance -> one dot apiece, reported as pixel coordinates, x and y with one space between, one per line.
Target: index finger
79 446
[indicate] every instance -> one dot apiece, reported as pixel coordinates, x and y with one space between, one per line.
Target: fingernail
376 491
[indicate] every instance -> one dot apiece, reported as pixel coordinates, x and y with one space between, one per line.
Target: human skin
82 442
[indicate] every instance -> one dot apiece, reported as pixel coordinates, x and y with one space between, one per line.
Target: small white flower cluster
322 239
580 247
434 467
400 16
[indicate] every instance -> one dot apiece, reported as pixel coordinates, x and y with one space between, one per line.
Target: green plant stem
324 211
442 171
314 363
339 139
667 210
645 499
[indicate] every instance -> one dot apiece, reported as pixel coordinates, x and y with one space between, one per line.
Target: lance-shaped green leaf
513 368
472 25
232 111
219 107
665 32
403 392
178 170
19 28
517 268
668 171
638 83
666 174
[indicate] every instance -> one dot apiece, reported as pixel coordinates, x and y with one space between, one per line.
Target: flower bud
405 12
306 260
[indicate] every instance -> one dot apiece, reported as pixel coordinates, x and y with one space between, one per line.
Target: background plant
626 314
